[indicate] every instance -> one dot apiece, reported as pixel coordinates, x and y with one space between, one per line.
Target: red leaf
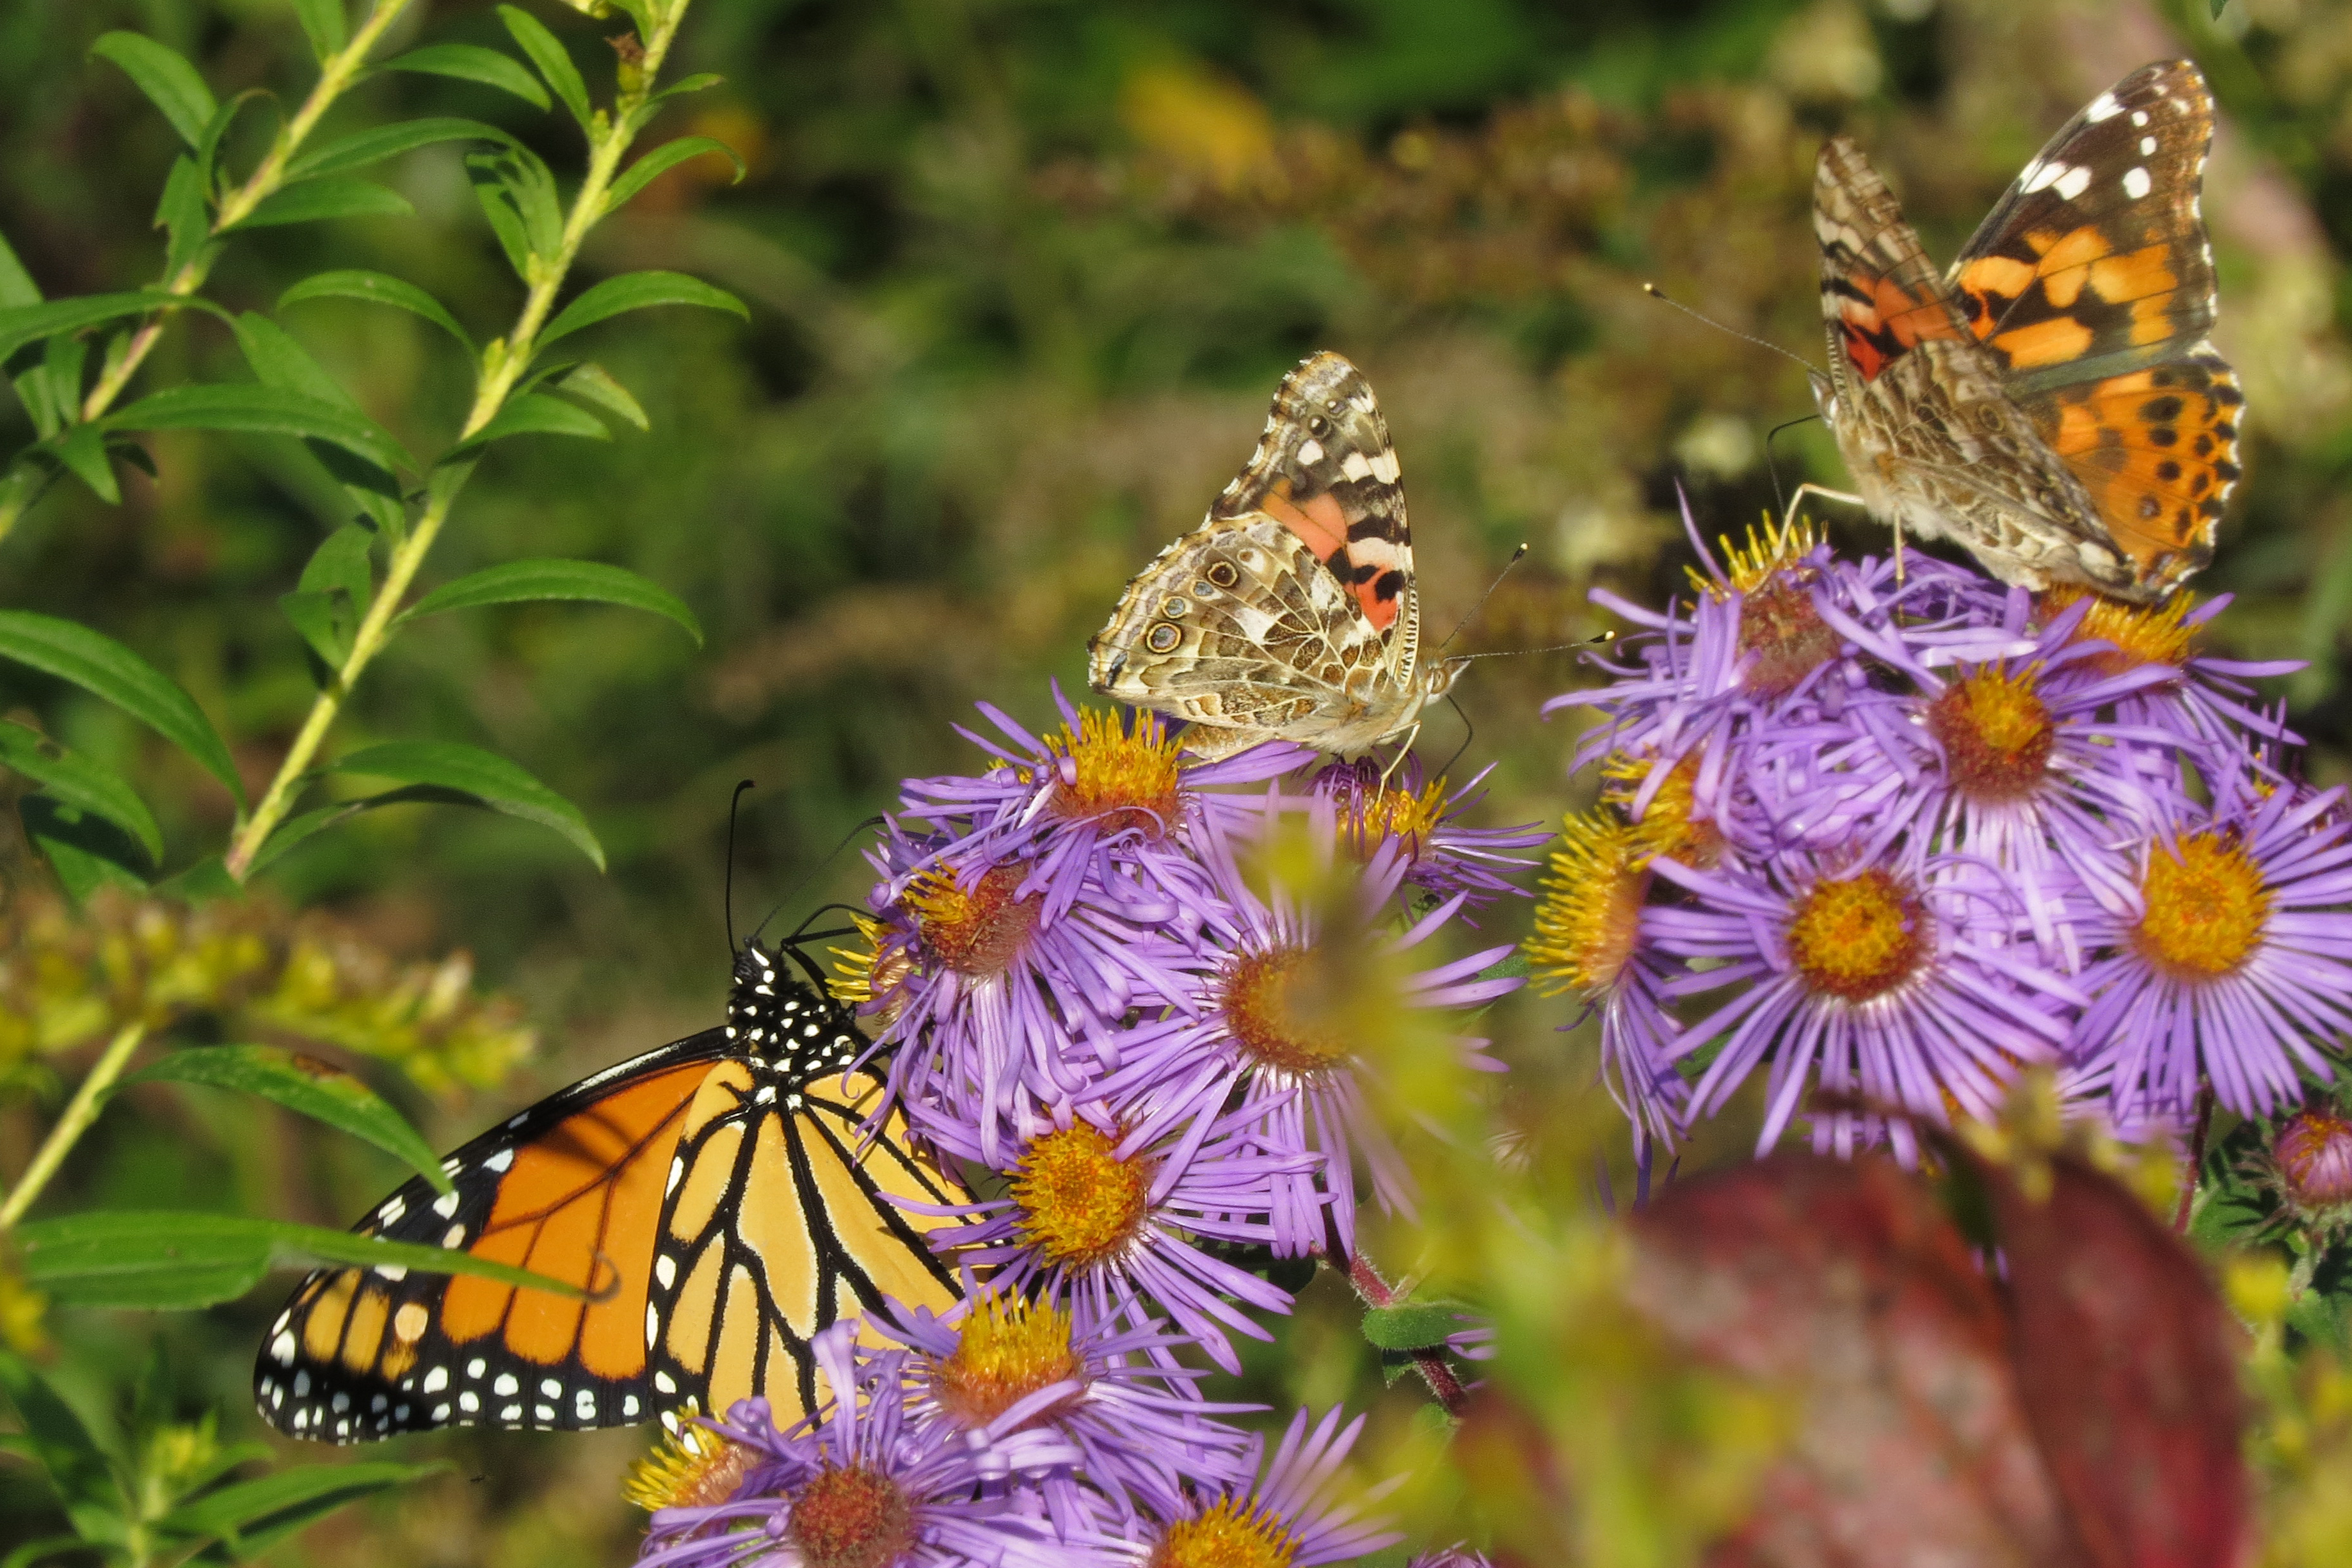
1846 1283
2128 1367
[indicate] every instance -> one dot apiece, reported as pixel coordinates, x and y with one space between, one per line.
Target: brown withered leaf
1845 1284
2128 1364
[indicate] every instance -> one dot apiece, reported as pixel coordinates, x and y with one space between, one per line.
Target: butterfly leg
1850 499
1404 750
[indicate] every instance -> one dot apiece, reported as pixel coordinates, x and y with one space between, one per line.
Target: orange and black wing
571 1188
2092 283
781 1222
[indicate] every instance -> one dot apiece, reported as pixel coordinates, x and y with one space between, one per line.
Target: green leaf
277 359
362 147
183 213
383 290
262 411
251 1516
522 581
471 62
518 194
30 324
546 52
299 829
171 1258
170 82
315 1089
332 597
80 781
112 672
485 777
82 448
594 383
636 291
85 850
1418 1325
79 1469
661 161
647 113
17 289
323 24
315 201
535 413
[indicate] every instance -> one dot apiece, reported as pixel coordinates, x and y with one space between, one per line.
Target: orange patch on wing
2151 319
2158 460
1319 522
2054 341
2003 275
2134 275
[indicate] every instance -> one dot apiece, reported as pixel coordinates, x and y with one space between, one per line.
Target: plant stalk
504 361
335 74
79 1114
1429 1360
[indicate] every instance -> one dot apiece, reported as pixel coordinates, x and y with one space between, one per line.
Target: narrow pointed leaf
79 1469
471 62
316 1089
482 777
594 383
277 359
254 1515
554 63
660 161
17 289
362 147
520 581
637 291
82 449
170 82
112 672
25 324
316 200
384 290
85 849
323 24
82 781
263 411
536 414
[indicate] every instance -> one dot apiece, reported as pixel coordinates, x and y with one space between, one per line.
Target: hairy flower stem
504 360
2196 1171
336 73
1429 1360
79 1115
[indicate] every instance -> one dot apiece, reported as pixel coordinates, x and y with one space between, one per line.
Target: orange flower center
1270 1007
1778 623
1858 938
1005 1351
2206 907
851 1517
1080 1202
977 931
1996 732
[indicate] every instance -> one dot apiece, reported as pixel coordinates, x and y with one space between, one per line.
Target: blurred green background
1022 275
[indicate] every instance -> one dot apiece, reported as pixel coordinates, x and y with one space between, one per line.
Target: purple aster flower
1105 1207
2225 960
1886 982
1112 1389
2201 698
855 1482
1267 1039
1291 1517
1441 855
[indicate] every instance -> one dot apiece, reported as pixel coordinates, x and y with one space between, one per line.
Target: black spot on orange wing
2156 449
572 1189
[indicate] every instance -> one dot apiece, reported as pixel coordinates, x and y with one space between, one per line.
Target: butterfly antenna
1654 292
1554 647
1468 731
727 899
802 886
1517 555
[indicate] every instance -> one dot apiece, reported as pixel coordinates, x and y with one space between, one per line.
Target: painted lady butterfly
2053 405
1291 614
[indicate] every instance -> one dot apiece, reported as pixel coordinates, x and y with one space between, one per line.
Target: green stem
80 1114
503 363
335 76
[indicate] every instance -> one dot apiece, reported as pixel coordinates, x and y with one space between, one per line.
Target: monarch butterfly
714 1200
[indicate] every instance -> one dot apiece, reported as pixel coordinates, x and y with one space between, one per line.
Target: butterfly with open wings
1292 613
2054 404
717 1201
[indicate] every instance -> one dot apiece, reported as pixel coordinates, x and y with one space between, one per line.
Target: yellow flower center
1370 817
690 1466
2205 907
1859 937
977 931
1119 779
1669 826
1005 1351
1080 1203
851 1517
862 973
1589 909
1996 732
2140 636
1747 569
1270 1002
1234 1533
